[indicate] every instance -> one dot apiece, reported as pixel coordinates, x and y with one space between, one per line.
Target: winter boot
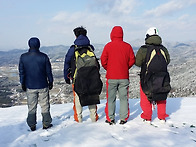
122 122
147 121
33 128
163 121
112 122
46 127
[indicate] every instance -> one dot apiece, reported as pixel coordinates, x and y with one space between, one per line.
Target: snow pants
146 106
112 87
78 109
33 97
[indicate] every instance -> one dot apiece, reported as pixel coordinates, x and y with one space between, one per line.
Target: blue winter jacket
80 41
35 69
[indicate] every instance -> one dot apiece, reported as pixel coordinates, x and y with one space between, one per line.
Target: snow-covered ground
179 130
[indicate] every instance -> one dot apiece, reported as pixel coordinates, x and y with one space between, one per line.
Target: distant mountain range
56 52
12 56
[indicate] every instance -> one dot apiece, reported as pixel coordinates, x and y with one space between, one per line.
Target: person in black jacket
36 79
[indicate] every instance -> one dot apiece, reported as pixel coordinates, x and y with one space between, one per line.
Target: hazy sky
52 21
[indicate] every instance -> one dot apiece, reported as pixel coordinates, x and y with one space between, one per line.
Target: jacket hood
116 33
82 40
154 39
34 43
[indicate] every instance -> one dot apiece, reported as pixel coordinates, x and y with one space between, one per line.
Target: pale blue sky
52 21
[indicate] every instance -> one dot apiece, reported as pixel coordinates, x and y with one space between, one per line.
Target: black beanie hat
34 43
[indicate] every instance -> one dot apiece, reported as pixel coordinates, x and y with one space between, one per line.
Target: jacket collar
82 40
33 50
154 39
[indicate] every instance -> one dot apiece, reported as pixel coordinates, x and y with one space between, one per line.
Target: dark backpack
155 79
86 79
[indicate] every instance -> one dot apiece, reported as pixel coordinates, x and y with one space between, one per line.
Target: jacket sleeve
67 62
104 58
132 58
49 70
21 71
140 56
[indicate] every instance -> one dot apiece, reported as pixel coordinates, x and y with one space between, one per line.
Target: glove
68 81
50 85
24 88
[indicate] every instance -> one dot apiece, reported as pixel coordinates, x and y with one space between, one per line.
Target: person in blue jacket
69 69
36 79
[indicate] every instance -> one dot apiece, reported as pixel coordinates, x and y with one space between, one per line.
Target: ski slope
179 129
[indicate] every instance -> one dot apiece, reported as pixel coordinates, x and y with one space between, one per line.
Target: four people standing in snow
117 58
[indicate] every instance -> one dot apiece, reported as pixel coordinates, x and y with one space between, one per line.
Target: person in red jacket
117 58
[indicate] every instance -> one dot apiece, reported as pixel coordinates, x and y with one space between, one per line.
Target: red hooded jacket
117 56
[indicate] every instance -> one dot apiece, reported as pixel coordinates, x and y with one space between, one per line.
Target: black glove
24 88
50 85
68 81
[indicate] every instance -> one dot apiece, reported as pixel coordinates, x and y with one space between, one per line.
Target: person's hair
80 31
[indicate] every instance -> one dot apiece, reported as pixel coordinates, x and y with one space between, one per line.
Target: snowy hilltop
179 129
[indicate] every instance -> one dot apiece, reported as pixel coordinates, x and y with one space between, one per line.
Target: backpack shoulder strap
152 54
149 56
164 55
